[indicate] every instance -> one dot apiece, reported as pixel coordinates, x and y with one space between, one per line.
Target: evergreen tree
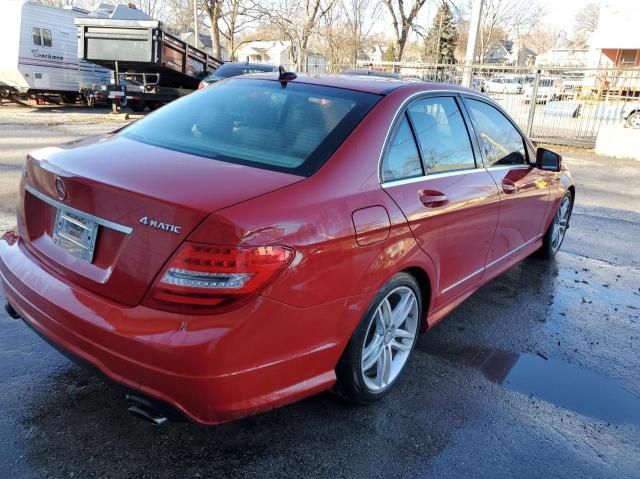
442 37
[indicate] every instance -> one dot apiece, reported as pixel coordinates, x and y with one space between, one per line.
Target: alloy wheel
389 339
560 224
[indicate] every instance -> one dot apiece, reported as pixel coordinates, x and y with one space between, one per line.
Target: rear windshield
289 127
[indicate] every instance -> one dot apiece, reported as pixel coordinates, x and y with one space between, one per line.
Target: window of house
442 135
628 57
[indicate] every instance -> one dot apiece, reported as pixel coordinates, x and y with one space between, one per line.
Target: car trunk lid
142 200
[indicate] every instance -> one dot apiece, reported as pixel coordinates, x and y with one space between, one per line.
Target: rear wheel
554 236
382 342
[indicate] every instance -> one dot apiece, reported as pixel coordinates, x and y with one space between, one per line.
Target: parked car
233 69
548 89
271 237
631 114
503 85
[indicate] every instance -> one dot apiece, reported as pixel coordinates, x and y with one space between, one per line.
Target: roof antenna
284 75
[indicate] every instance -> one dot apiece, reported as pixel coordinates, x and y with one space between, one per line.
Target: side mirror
548 160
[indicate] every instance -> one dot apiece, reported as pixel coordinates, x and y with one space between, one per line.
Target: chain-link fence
563 105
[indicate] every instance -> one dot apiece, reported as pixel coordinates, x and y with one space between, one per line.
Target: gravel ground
557 396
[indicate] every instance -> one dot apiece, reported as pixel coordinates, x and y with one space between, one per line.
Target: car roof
363 83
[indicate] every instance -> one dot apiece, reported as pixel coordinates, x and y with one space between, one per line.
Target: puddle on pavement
557 382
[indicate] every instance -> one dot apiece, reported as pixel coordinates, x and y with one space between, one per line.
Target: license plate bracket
75 234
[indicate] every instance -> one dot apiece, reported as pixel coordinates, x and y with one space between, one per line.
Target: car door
524 189
433 172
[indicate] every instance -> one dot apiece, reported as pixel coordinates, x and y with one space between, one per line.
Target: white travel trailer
40 52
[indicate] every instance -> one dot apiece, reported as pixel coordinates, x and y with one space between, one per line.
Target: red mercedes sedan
273 236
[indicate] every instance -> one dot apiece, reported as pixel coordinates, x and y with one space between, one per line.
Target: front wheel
382 342
554 236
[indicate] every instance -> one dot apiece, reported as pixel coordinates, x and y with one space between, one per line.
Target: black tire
351 383
136 106
633 120
154 105
550 247
69 98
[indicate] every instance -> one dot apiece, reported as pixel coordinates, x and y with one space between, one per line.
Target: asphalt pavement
536 375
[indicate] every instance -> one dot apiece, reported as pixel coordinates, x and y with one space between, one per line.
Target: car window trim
402 109
417 139
529 147
396 128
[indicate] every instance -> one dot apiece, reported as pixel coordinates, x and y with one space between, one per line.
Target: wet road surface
536 375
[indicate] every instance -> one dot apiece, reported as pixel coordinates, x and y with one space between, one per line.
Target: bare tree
585 23
213 9
402 21
345 30
502 19
296 21
238 16
154 8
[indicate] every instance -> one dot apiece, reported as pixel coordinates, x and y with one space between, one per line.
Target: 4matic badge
145 220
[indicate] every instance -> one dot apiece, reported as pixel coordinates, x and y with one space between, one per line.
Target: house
507 52
564 57
204 43
373 54
616 42
278 52
615 50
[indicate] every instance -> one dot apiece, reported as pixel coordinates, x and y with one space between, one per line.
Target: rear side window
501 142
293 127
401 159
442 135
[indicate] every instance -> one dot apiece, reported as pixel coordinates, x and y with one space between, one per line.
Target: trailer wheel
69 98
154 105
137 106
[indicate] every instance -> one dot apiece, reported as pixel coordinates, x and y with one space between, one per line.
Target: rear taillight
205 279
202 85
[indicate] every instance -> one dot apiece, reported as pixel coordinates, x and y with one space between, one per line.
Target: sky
560 14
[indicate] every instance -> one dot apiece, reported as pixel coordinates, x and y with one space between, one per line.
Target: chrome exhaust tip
10 311
145 411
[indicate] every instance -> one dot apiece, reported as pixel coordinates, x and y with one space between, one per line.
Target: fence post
534 101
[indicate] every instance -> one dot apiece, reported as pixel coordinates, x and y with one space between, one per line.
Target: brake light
206 279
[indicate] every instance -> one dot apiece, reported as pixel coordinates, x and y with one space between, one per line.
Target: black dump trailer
151 67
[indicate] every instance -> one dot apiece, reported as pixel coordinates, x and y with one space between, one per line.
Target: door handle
509 187
432 199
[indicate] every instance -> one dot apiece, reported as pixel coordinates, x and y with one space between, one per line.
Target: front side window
292 127
401 159
501 142
442 135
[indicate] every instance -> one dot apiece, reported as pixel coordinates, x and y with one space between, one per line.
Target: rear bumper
210 369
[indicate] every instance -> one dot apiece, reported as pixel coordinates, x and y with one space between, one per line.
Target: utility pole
474 28
195 23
